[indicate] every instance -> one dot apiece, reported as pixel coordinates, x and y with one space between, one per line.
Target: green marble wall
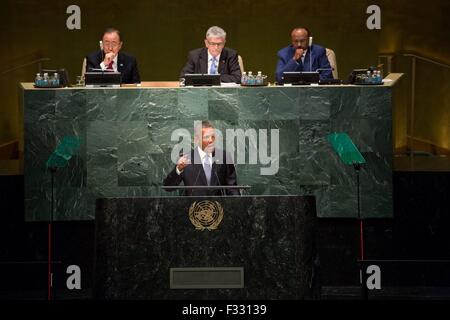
126 136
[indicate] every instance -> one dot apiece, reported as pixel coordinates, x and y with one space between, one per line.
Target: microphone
100 43
101 49
309 49
200 169
222 192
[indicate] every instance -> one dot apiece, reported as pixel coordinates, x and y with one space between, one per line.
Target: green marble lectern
237 247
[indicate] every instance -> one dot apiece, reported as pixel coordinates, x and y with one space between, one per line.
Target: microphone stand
50 239
222 192
362 274
58 159
310 58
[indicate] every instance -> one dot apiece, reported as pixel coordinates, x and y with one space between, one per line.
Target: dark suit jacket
318 57
228 64
223 173
126 65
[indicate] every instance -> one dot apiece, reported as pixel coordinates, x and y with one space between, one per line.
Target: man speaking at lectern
204 166
109 57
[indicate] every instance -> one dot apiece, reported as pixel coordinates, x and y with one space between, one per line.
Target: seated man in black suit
110 57
204 166
214 58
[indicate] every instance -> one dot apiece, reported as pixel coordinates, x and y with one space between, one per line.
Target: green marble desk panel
138 241
126 135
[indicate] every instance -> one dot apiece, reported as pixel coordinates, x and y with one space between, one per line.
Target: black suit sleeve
93 61
233 73
231 180
136 78
190 65
173 179
230 175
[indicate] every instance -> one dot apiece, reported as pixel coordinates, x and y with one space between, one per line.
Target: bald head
300 38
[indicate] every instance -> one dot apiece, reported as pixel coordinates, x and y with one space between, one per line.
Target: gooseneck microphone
222 192
310 57
101 49
199 168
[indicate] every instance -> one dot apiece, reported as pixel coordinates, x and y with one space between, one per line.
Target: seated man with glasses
109 57
215 58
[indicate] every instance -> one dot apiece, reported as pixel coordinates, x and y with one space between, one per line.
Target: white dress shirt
203 156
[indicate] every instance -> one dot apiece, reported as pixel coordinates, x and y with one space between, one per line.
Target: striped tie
207 167
213 69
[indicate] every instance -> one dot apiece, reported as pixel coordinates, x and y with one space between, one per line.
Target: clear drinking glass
80 81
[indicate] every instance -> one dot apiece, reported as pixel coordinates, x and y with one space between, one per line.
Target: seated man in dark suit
300 56
110 57
215 58
204 166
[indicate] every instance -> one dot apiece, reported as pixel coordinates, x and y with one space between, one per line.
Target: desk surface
389 81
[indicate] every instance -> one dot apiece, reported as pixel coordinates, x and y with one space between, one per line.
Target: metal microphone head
101 45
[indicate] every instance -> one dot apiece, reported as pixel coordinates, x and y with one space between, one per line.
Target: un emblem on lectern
206 214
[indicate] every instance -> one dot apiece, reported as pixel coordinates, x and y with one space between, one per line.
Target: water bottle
379 79
45 81
244 78
56 79
38 80
51 80
250 78
259 78
369 77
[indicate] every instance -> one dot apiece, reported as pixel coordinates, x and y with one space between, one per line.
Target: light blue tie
207 167
213 69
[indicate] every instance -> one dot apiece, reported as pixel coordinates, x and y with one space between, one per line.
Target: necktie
110 65
207 167
213 69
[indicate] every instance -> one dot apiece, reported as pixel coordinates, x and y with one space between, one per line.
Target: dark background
418 231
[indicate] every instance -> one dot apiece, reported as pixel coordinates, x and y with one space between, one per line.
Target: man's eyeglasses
217 44
111 44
